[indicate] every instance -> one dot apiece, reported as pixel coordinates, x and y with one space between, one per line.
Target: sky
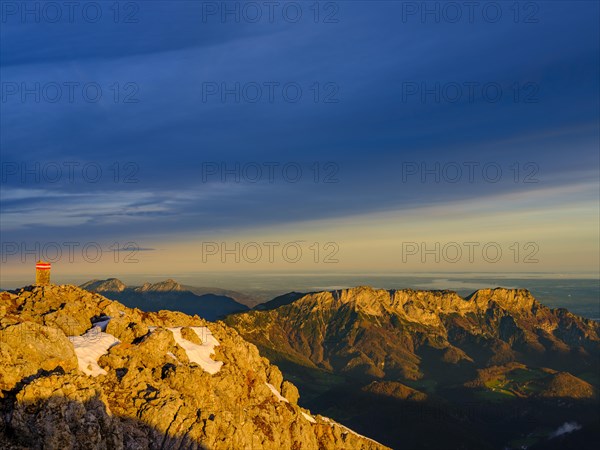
171 137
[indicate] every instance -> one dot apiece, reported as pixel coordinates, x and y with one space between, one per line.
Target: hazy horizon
579 294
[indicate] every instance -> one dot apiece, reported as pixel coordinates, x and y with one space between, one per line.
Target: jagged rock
289 391
274 377
190 335
58 413
151 391
29 349
378 334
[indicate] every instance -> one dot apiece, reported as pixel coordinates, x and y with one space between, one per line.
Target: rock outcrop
212 390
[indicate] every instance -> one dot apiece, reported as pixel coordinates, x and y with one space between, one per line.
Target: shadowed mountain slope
354 347
168 295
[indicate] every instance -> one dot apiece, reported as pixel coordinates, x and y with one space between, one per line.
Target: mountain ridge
430 348
116 285
154 385
167 294
488 312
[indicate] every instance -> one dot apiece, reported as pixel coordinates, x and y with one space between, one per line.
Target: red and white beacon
42 273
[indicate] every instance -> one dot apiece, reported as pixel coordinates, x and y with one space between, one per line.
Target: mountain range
492 370
410 369
208 303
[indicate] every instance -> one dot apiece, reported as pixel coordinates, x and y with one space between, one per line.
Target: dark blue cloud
368 65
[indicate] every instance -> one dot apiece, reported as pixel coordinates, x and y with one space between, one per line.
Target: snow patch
308 417
89 347
199 354
565 428
280 397
346 429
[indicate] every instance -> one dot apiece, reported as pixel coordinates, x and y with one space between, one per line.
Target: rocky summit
80 371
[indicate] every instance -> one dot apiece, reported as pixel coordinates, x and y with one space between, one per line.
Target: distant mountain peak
108 285
167 285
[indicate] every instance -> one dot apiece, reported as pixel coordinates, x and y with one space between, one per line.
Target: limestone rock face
52 412
379 334
28 349
152 392
289 391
